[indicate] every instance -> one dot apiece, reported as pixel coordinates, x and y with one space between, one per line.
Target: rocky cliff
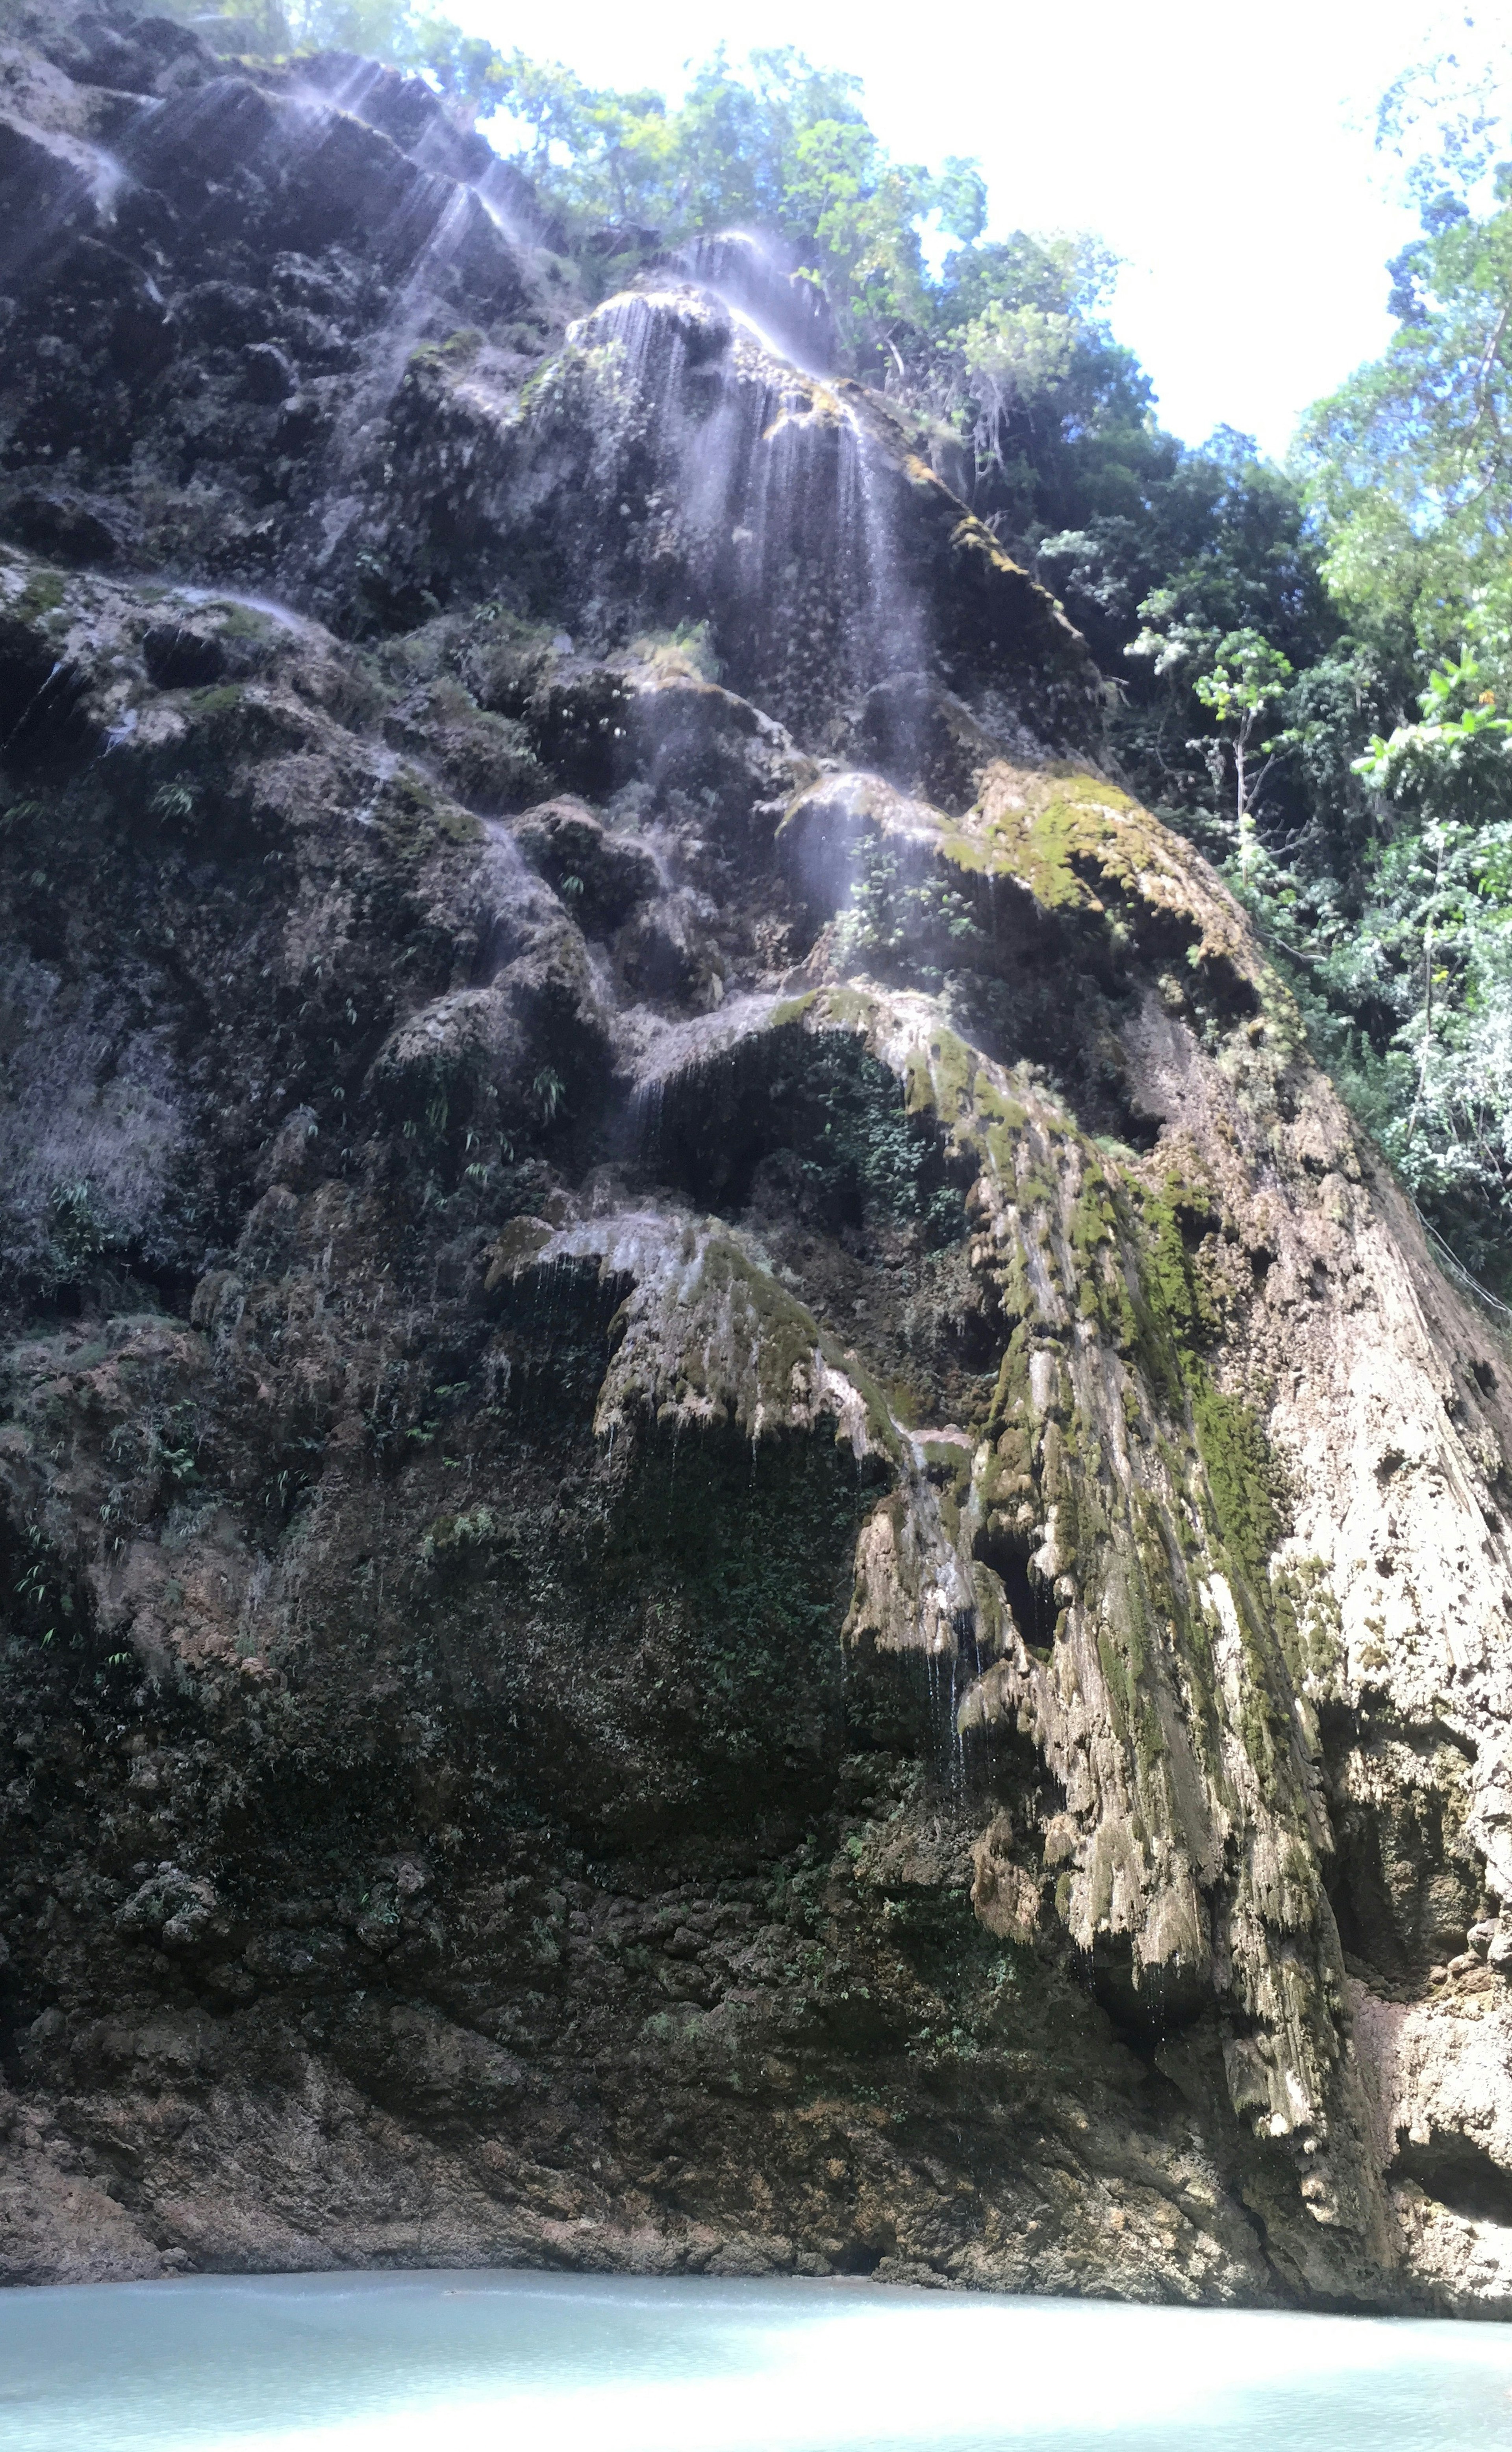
736 1533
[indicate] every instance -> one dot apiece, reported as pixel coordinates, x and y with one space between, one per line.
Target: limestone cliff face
737 1531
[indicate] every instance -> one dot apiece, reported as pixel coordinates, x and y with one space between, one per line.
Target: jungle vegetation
1310 664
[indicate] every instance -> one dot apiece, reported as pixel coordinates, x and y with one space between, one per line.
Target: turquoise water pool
558 2363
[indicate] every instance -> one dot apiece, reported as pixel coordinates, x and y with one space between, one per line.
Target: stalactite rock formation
737 1531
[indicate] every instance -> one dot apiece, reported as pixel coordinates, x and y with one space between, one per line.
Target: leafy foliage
1411 988
1411 459
777 145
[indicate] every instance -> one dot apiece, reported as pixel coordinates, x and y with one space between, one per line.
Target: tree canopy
1410 461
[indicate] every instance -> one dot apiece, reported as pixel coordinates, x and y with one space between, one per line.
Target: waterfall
750 274
735 488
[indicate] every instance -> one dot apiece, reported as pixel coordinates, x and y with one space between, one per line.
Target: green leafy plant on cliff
1429 958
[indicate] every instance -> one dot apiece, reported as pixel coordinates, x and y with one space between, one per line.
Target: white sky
1224 150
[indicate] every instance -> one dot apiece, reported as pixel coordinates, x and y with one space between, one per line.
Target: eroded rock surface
737 1532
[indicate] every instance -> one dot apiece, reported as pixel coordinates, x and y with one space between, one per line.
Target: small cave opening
810 1123
1021 1784
1144 2006
1051 1012
177 656
979 1338
1031 1598
1457 2174
1402 1886
45 734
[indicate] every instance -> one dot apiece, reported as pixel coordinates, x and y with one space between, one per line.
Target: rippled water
471 2362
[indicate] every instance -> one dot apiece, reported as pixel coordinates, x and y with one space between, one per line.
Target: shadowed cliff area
737 1532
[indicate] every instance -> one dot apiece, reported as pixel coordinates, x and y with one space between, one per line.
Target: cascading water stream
270 607
789 312
787 532
778 481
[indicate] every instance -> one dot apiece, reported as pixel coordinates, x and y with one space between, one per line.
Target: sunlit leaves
1410 461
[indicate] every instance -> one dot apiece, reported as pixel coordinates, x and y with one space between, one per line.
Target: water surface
561 2362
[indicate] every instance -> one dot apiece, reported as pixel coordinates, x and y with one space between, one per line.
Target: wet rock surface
736 1533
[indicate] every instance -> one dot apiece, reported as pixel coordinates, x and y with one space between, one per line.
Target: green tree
1245 684
1410 462
774 144
1406 978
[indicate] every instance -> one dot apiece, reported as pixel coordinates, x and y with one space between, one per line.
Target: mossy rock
1081 846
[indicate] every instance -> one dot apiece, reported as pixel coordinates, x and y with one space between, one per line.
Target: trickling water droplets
33 703
779 531
385 765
